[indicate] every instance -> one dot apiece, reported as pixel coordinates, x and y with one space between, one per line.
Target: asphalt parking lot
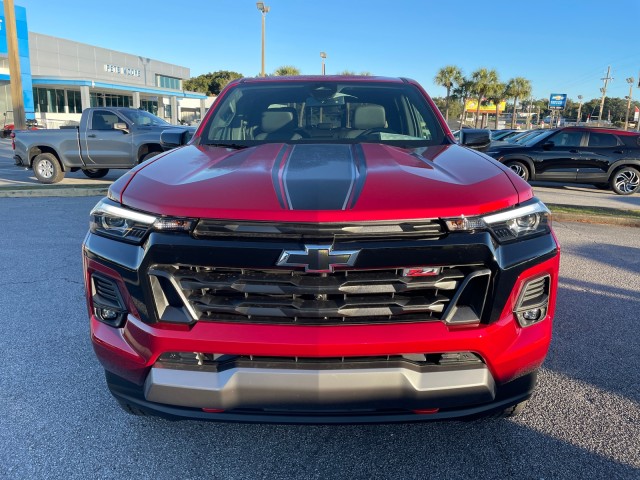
59 421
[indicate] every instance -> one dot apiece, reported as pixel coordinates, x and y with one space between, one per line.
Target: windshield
323 112
542 135
142 118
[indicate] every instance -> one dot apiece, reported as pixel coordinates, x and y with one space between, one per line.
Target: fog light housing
108 314
533 301
108 304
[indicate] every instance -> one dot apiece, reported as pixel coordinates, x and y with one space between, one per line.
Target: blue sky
562 46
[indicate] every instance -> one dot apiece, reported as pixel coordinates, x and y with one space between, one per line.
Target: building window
150 106
109 100
48 100
167 111
73 99
168 82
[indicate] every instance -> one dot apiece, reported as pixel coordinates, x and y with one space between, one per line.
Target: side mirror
121 126
175 137
548 145
478 139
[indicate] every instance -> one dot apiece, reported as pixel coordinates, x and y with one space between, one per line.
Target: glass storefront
108 100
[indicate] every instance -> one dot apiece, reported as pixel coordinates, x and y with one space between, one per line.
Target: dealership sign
557 100
131 72
485 107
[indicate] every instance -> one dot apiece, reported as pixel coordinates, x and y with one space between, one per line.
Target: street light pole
264 9
323 55
630 81
579 119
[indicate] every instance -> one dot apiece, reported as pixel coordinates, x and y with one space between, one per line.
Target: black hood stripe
321 177
276 177
360 167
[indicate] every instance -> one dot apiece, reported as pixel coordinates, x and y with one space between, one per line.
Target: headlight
111 220
531 218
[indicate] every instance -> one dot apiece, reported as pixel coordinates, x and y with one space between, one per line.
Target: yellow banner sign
488 107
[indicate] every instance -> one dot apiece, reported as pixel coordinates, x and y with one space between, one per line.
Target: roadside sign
557 100
636 114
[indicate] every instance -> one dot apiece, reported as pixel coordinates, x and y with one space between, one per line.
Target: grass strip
594 211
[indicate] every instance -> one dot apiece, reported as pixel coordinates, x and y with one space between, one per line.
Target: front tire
95 172
47 168
519 169
625 181
148 156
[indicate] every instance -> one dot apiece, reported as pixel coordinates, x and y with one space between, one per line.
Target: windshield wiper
235 146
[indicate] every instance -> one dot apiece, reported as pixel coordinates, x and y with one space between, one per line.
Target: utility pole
604 91
630 81
579 119
17 99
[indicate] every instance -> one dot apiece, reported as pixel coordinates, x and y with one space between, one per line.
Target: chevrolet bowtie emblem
318 258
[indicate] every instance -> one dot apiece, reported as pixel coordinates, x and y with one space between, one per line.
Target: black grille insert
343 297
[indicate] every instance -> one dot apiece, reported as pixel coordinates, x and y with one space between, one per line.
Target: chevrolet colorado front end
321 251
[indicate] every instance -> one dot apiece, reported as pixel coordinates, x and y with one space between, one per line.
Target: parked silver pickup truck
106 138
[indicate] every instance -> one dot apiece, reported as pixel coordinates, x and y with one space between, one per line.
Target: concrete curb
57 191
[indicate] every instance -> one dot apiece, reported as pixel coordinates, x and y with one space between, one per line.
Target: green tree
496 94
454 107
448 77
462 92
483 81
518 87
286 70
351 72
211 83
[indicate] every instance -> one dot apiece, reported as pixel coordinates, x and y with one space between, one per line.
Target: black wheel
131 409
520 169
602 186
47 168
625 181
147 156
95 172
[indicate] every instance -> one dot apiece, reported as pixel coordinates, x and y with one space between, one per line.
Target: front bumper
510 353
353 412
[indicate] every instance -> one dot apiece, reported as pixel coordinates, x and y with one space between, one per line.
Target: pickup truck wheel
95 172
47 168
149 155
520 169
625 181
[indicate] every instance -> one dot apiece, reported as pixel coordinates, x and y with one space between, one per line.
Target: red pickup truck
321 251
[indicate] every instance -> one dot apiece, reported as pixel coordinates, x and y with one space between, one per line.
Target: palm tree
286 70
463 92
447 77
483 81
496 95
518 87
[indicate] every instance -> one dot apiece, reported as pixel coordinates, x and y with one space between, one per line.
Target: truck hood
320 183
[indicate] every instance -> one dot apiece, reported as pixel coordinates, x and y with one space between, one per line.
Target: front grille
296 297
334 231
414 361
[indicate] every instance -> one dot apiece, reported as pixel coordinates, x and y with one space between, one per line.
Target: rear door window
602 140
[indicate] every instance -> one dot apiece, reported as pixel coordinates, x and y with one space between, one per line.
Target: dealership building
61 77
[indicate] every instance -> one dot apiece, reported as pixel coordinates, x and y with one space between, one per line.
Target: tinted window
324 112
567 139
103 120
602 140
